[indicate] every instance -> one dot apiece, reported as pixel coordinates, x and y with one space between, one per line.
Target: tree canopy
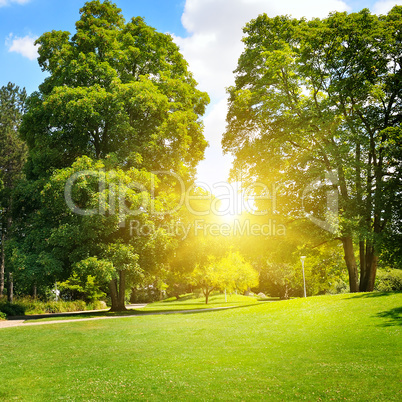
114 87
231 273
114 123
12 159
323 98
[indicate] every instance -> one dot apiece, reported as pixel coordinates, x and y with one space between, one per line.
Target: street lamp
302 258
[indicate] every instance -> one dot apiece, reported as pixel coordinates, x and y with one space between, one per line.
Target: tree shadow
183 297
371 294
133 312
393 316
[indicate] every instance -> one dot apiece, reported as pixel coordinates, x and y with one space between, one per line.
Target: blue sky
35 17
207 31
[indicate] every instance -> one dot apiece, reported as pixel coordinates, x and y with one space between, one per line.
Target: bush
12 309
389 280
338 287
28 305
145 295
97 305
77 288
59 306
3 316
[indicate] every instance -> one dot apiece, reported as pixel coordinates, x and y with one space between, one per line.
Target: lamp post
302 258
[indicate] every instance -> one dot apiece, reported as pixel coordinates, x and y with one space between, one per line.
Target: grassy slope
320 348
188 302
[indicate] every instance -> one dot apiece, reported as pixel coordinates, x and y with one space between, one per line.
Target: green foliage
76 288
30 306
118 103
236 274
278 280
12 309
12 149
3 316
99 245
12 159
389 280
231 273
114 87
324 272
338 287
321 96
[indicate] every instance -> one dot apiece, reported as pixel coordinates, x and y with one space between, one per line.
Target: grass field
187 302
344 347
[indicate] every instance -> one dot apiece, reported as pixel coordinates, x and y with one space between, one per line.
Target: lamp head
302 258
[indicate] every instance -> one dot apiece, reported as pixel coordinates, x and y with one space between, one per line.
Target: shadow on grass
133 312
92 314
185 297
370 295
264 299
206 310
393 316
203 305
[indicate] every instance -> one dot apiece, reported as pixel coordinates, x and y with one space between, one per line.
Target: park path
17 321
25 321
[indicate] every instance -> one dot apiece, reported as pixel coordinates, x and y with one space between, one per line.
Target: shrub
29 305
338 286
12 309
389 280
97 305
3 316
85 288
145 295
57 307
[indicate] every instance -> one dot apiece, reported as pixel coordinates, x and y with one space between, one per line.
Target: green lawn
344 347
187 302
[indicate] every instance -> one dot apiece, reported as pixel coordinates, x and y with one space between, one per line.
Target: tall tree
229 273
12 158
114 87
323 97
120 94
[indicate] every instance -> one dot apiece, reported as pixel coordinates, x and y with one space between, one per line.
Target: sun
229 208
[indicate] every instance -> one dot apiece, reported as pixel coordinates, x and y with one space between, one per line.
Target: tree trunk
206 292
362 258
351 264
117 295
284 293
10 292
122 291
113 294
2 262
373 272
10 288
370 261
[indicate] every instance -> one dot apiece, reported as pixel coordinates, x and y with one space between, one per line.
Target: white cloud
24 46
215 26
213 121
384 6
214 46
4 3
